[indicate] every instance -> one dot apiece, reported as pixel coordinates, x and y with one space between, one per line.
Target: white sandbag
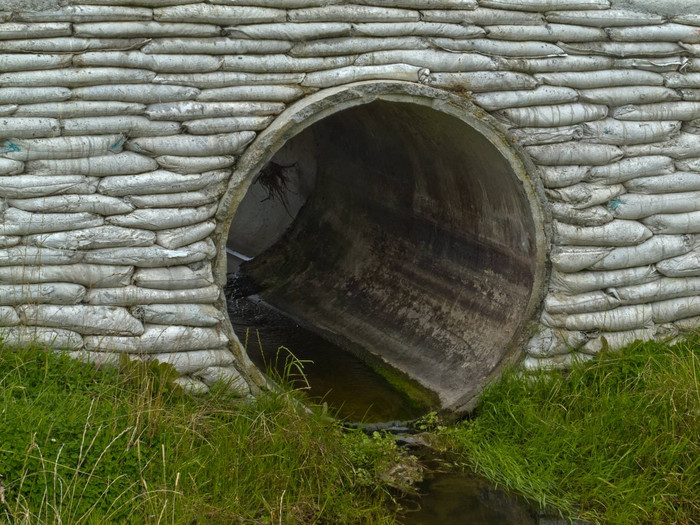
241 93
682 80
148 256
195 361
36 335
159 181
8 241
482 17
628 169
584 194
90 275
69 44
28 62
189 384
656 33
499 48
619 96
8 317
422 4
550 342
207 126
144 94
664 288
193 145
557 115
142 3
76 77
13 127
605 18
84 319
638 206
10 167
290 32
611 131
188 199
143 29
584 154
33 256
29 186
92 238
657 65
191 109
675 309
220 79
433 60
352 13
557 362
20 222
656 249
180 314
133 295
79 108
345 75
532 136
53 293
157 339
283 63
686 265
562 176
228 376
575 258
219 14
125 163
688 324
589 281
691 126
178 237
163 218
546 5
688 164
479 81
680 181
620 319
61 147
596 301
682 110
617 340
674 223
616 233
85 13
558 64
13 30
100 204
546 33
216 46
515 99
159 63
431 29
601 79
593 216
624 49
128 125
188 165
686 145
355 45
8 109
196 275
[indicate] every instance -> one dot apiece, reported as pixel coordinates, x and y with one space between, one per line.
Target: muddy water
358 394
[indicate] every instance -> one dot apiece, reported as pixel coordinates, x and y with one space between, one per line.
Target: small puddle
356 392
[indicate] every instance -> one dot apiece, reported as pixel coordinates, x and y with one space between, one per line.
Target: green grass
123 445
614 441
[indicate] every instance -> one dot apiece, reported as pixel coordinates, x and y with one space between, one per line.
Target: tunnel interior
397 230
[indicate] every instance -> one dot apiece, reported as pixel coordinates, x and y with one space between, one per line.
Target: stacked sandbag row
120 122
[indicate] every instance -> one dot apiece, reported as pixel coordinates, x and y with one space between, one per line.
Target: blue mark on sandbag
614 203
8 147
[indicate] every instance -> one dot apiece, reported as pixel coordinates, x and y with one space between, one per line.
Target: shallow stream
358 394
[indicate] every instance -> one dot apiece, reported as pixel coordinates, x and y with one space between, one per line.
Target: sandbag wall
121 122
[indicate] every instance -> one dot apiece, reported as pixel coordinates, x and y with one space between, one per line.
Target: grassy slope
615 441
123 446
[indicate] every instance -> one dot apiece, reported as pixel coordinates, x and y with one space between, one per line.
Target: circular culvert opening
400 230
